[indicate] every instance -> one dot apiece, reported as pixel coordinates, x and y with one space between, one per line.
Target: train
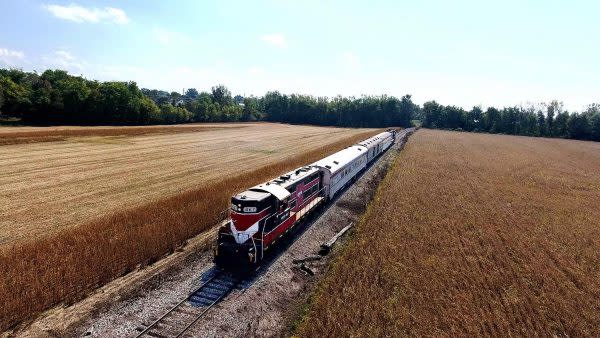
261 215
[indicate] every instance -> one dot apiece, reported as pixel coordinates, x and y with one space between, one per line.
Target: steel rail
208 308
151 326
238 280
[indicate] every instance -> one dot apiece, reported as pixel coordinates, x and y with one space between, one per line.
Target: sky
464 53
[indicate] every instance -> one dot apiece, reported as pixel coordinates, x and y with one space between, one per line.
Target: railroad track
177 320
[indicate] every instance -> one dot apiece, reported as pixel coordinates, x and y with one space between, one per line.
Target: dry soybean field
82 206
71 175
472 234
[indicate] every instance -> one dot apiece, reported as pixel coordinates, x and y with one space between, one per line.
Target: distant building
182 101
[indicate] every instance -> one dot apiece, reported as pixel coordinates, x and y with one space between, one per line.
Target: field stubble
26 135
65 265
49 186
472 234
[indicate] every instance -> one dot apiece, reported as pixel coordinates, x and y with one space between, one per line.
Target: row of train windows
346 171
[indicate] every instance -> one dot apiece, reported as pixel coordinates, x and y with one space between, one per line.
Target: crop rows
472 234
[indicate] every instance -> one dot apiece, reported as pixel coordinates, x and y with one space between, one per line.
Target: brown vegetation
47 187
472 234
64 266
22 135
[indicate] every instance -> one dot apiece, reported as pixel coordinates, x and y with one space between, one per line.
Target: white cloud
351 60
64 55
63 59
276 39
118 15
80 14
10 57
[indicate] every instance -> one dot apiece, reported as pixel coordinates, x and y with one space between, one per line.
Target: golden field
51 185
96 208
471 235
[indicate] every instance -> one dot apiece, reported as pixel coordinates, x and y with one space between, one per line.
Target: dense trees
549 120
55 97
58 98
367 111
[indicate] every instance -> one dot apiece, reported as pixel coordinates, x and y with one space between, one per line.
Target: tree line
546 120
55 97
366 111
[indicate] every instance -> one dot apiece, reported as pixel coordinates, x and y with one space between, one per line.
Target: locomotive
261 215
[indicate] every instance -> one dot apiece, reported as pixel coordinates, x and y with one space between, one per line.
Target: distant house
182 100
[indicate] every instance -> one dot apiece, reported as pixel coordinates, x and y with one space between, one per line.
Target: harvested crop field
100 219
51 185
472 234
22 135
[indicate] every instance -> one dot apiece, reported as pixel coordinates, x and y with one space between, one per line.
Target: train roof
294 176
372 141
278 186
252 195
338 160
276 190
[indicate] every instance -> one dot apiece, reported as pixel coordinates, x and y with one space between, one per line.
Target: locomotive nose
241 222
241 235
